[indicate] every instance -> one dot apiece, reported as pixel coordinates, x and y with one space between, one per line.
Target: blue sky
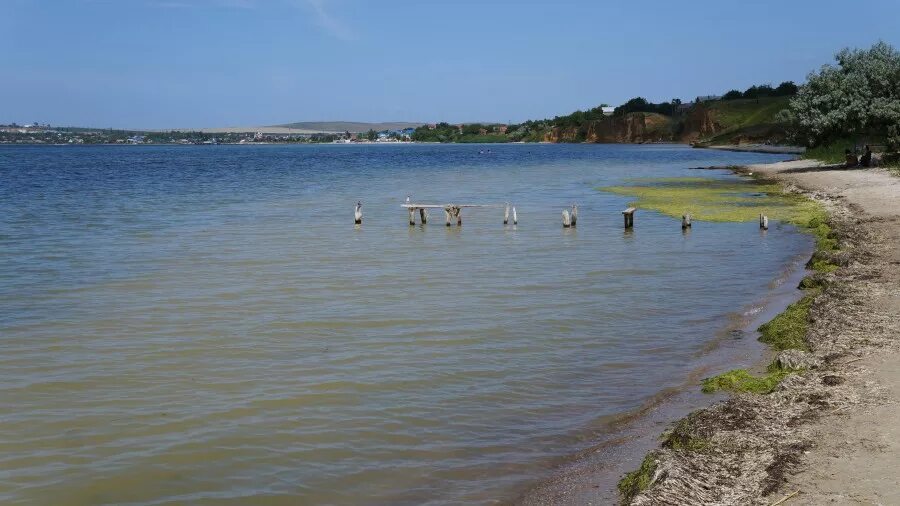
205 63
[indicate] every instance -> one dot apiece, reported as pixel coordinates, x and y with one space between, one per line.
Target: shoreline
827 433
759 148
590 475
745 148
811 439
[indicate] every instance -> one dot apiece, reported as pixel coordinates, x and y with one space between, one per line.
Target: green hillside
746 120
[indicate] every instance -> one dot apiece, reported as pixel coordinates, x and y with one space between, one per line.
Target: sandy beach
857 451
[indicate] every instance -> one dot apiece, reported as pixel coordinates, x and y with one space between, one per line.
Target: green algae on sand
635 482
739 380
787 331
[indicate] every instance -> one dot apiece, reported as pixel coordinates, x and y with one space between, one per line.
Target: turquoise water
206 325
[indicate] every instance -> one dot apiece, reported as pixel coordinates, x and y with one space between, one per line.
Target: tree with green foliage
641 104
786 89
472 129
858 96
763 90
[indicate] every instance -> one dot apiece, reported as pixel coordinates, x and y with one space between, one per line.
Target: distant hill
348 126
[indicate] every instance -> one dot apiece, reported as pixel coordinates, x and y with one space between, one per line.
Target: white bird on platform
407 199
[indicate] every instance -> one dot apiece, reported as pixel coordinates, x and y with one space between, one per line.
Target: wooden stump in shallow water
629 217
763 222
506 215
447 215
515 218
357 214
412 216
567 222
423 214
574 214
685 221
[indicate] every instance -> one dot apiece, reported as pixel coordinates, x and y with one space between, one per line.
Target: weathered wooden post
567 222
412 216
685 221
447 215
574 214
629 217
357 214
763 222
506 215
515 218
458 211
423 215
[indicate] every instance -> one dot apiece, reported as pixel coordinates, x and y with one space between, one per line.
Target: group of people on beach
853 161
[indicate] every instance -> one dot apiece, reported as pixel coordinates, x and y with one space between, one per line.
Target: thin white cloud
328 22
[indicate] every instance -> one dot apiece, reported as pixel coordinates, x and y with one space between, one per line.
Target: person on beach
851 159
866 160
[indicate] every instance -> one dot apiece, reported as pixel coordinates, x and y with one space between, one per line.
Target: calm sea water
206 325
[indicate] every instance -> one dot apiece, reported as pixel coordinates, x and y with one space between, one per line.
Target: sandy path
857 456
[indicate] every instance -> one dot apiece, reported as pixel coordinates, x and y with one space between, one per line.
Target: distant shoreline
759 148
747 148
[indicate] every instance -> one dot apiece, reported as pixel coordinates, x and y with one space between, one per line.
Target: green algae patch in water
730 200
717 200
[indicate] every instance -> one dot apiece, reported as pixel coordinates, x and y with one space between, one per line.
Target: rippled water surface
206 325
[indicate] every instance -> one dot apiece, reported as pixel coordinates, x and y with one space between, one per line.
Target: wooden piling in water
629 217
763 222
515 218
685 221
567 221
357 214
574 214
450 211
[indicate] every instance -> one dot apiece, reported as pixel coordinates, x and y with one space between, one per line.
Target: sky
215 63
